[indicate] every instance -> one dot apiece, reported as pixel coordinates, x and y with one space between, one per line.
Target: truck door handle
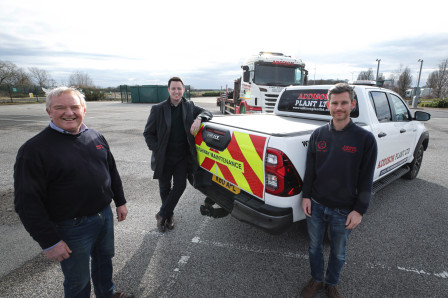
382 134
402 130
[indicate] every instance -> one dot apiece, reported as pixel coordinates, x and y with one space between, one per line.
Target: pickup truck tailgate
234 156
237 155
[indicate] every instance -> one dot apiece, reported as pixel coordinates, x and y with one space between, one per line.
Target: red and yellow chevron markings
241 163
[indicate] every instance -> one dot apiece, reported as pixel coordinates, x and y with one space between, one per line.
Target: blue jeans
171 193
88 237
335 218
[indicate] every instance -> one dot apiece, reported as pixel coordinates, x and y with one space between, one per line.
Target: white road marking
261 250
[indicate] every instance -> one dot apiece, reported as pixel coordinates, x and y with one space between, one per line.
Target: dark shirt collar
173 106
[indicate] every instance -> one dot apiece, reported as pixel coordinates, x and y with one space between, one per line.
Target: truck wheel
416 164
242 109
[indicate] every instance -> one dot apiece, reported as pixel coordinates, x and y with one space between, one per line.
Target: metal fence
21 93
147 93
32 93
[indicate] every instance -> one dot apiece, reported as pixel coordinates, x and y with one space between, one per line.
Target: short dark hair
341 88
175 79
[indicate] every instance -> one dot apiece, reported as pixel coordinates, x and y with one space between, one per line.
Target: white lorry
252 166
264 76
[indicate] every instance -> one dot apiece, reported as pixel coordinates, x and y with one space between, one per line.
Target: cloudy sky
205 42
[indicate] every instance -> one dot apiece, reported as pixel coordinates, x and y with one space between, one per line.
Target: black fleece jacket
61 176
340 167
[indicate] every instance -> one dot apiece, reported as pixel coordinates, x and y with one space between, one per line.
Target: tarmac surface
399 250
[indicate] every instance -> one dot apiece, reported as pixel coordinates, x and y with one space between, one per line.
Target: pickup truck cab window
401 112
381 106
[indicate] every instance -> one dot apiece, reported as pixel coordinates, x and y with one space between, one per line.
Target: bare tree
366 75
22 77
438 80
391 82
41 77
80 80
404 81
8 72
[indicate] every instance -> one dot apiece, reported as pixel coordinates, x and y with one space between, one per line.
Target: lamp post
378 69
417 95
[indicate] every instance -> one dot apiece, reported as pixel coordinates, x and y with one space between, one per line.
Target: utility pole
417 96
378 69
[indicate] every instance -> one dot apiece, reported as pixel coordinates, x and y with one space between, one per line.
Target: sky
206 42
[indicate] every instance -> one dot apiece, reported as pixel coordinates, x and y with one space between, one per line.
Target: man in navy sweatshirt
337 187
65 178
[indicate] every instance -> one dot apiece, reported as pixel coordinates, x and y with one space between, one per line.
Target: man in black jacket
65 178
169 134
337 186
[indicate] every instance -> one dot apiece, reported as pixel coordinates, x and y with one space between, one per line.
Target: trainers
333 291
311 288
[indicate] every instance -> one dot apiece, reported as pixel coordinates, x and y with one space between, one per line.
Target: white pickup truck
252 166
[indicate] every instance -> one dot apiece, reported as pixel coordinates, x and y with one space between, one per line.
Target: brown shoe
311 289
160 223
170 222
333 291
122 295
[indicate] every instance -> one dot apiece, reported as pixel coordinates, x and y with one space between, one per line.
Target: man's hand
306 206
353 220
122 212
59 252
195 126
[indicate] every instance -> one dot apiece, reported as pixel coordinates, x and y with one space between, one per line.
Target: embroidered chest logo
99 147
350 149
322 145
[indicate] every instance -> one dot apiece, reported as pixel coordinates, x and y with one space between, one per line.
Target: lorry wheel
416 164
243 110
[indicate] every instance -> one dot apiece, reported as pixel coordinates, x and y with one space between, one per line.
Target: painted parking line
252 249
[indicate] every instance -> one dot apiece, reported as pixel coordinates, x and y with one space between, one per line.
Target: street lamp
417 95
378 69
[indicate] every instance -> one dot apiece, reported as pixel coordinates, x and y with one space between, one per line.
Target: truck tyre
242 109
415 164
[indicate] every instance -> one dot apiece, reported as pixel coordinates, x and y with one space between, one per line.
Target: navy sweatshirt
61 176
340 167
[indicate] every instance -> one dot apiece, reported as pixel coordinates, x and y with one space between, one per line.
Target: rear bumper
244 206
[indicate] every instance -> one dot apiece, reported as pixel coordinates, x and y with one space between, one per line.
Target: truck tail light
282 178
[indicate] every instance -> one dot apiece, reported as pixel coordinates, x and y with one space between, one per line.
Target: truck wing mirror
422 116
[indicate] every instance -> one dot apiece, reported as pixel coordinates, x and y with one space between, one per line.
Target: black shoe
170 222
160 223
123 295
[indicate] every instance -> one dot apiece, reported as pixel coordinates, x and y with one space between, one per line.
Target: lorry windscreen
277 75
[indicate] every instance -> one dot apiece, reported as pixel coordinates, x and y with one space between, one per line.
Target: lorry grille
270 100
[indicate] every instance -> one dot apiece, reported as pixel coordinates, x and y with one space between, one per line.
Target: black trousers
172 185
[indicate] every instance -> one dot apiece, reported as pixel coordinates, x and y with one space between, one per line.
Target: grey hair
60 90
341 88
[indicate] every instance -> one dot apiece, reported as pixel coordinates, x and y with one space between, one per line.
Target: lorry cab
263 77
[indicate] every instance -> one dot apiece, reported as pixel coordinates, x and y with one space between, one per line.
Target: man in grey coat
169 134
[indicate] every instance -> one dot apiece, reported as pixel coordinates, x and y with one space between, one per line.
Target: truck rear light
282 178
